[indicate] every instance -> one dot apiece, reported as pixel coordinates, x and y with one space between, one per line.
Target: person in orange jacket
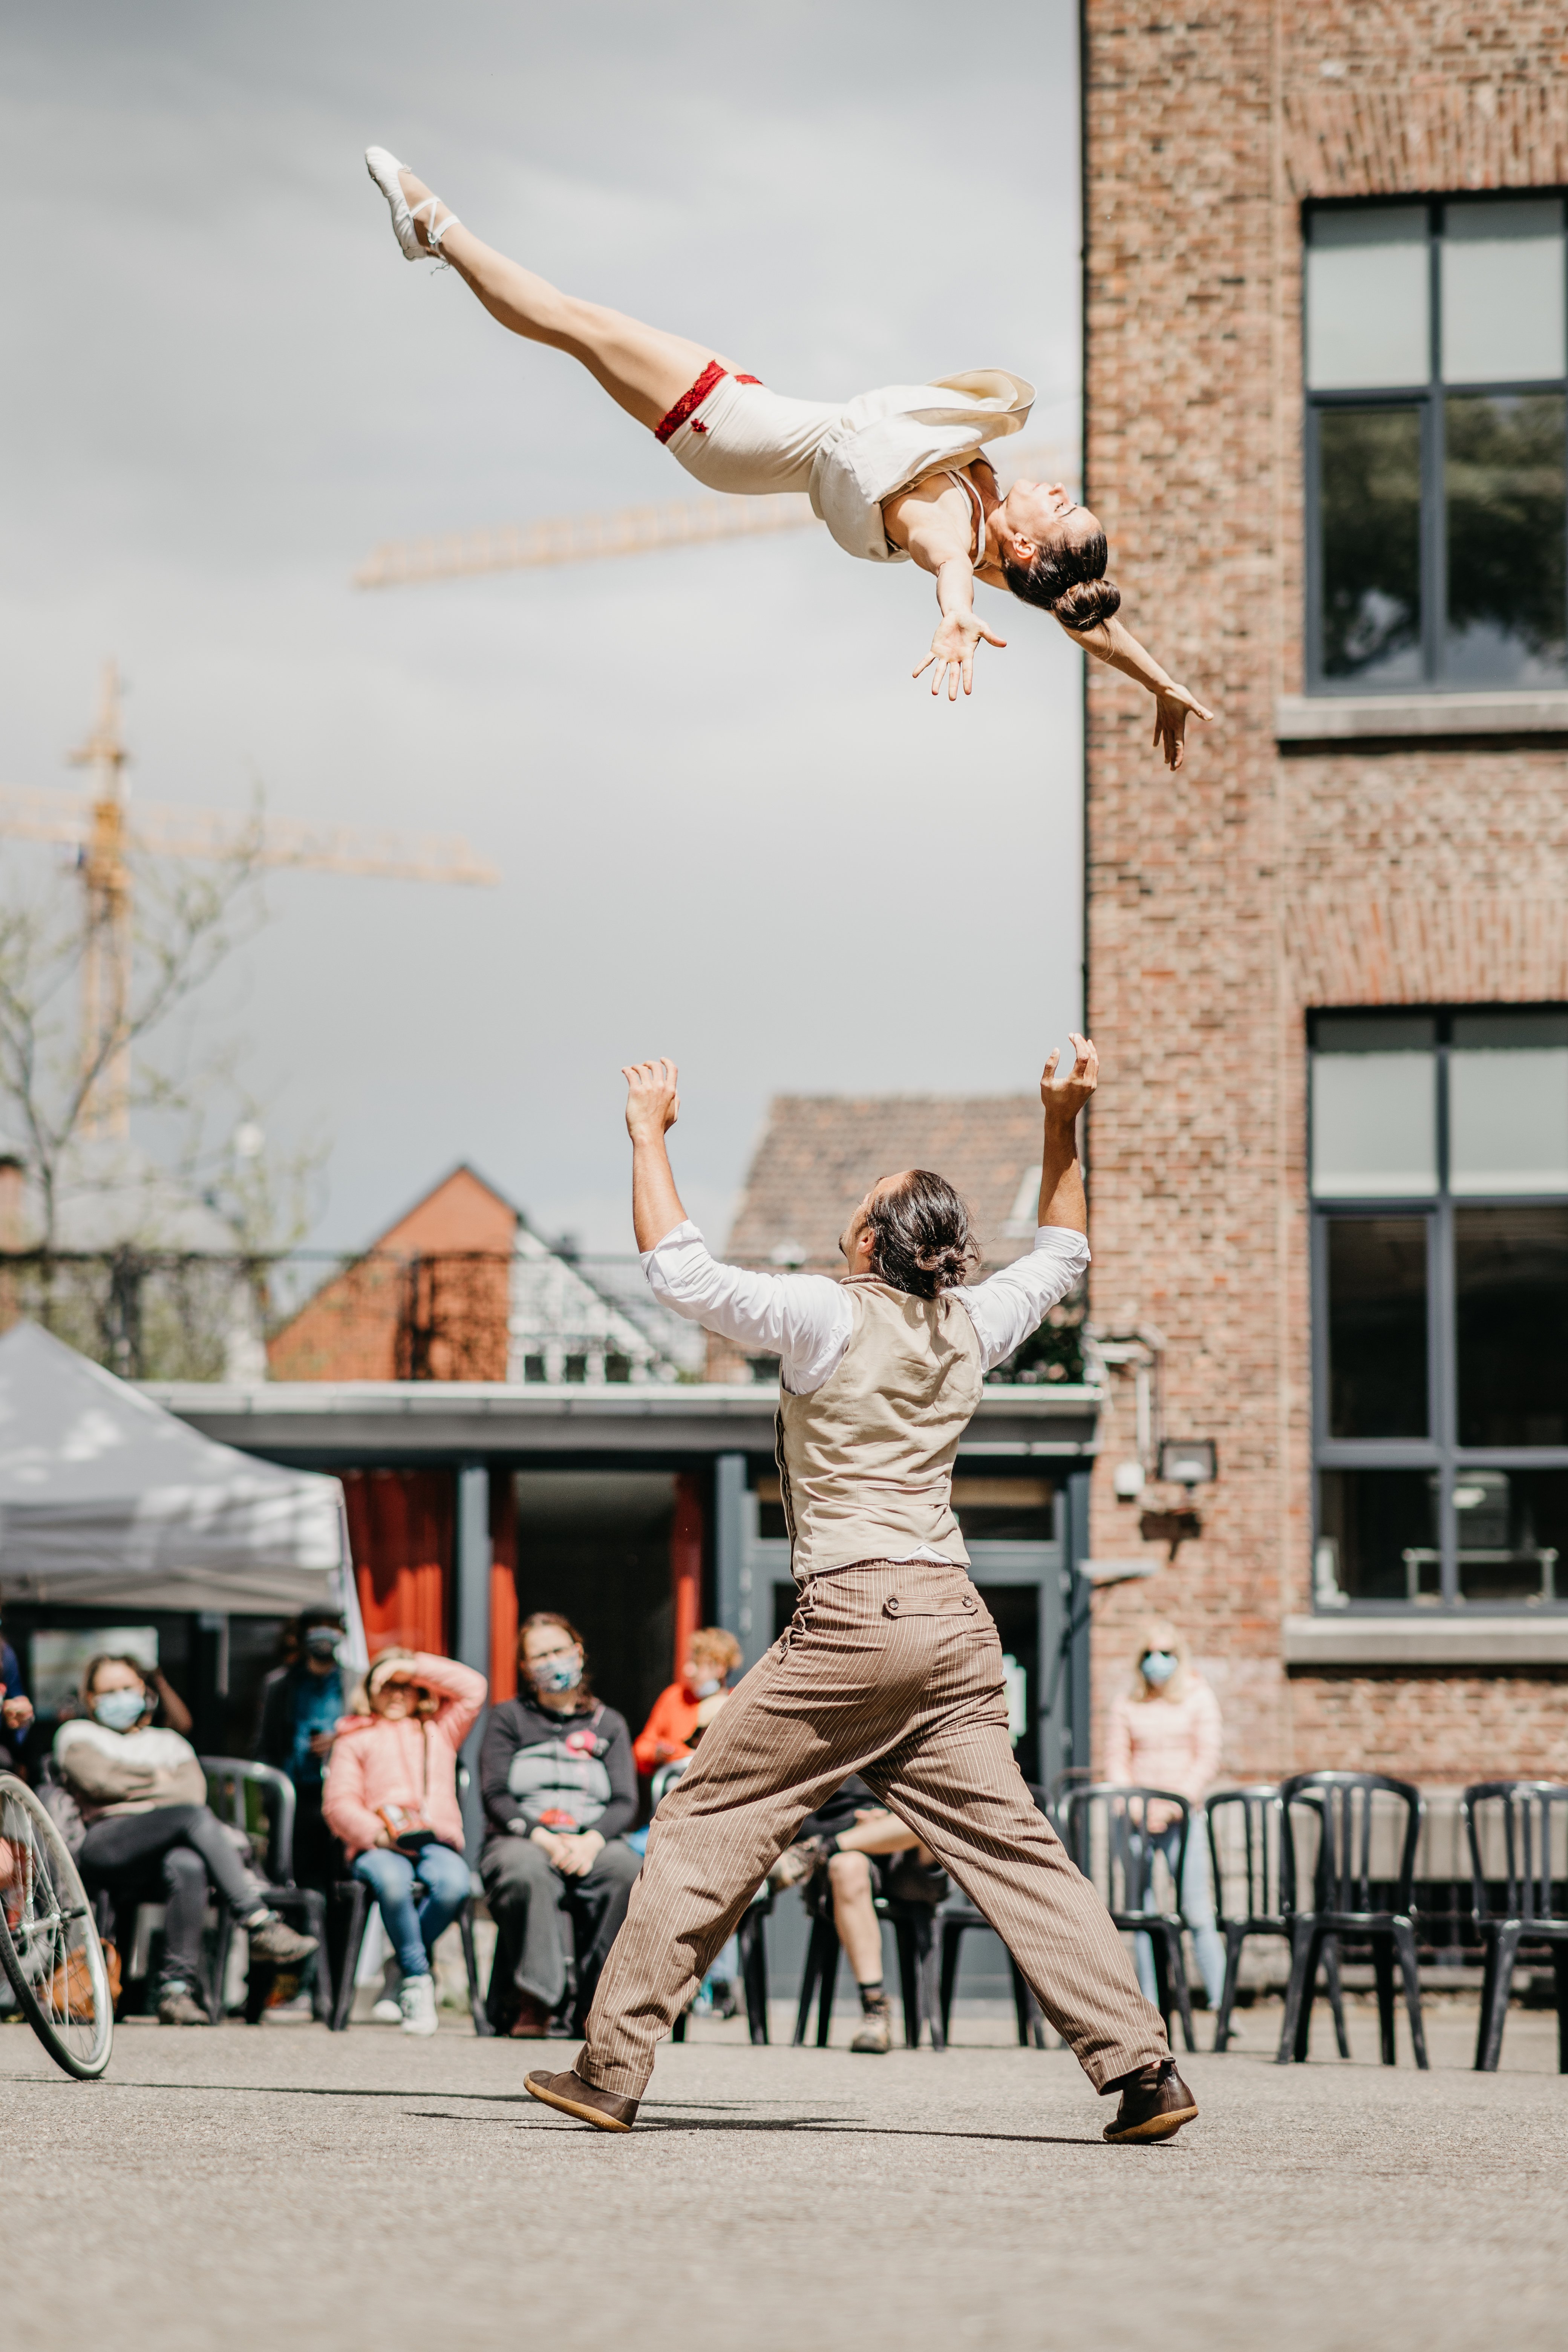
683 1710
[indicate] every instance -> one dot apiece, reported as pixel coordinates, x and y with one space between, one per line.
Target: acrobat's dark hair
922 1237
1069 582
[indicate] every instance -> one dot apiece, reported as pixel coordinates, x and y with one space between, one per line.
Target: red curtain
400 1532
503 1587
685 1565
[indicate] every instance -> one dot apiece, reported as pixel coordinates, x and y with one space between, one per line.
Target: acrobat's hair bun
1087 603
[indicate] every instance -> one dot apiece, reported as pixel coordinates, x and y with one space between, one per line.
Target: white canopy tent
105 1500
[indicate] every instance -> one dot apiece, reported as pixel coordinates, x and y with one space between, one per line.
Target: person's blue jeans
414 1927
1197 1907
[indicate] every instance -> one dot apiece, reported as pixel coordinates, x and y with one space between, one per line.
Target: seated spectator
391 1796
300 1703
851 1837
150 1835
560 1788
16 1709
683 1710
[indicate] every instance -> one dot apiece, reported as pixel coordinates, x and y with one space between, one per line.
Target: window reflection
1504 486
1377 1536
1369 497
1367 298
1374 1109
1503 292
1512 1534
1510 1280
1507 1103
1377 1326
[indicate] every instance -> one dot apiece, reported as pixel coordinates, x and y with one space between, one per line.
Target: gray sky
729 826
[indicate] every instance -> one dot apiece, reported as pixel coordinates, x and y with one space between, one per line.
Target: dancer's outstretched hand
1172 708
1064 1097
653 1099
952 650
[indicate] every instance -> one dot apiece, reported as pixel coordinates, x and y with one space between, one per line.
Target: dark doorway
596 1546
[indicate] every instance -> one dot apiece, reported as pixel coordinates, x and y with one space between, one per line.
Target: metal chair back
664 1780
1353 1870
1245 1858
1108 1829
230 1782
1518 1834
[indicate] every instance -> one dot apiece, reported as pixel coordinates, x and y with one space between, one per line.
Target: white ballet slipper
384 169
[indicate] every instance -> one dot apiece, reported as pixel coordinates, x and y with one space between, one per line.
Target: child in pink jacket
391 1796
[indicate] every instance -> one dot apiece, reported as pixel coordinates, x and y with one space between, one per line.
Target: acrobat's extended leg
644 369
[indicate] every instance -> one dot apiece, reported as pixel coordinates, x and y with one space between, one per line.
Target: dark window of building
1439 1178
533 1368
1437 372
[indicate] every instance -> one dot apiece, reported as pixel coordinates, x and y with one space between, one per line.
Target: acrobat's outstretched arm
1108 642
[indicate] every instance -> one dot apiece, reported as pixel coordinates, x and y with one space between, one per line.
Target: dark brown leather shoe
1155 2104
584 2100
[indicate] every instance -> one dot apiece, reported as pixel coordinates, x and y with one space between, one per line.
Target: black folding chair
914 1934
239 1791
1347 1896
1107 1830
1244 1843
1518 1834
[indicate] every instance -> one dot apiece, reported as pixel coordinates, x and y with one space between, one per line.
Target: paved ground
281 2187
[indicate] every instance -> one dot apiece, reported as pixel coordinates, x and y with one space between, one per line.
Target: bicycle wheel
49 1939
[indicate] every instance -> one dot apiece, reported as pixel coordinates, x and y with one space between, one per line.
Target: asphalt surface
281 2186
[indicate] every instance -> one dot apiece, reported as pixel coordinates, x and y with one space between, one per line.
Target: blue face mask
558 1674
117 1710
707 1689
1158 1666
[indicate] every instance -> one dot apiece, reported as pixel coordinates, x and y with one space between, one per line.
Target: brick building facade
1339 841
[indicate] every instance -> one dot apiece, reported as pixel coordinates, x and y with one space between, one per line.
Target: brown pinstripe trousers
893 1672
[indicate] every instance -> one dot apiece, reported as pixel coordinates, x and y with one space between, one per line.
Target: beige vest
865 1461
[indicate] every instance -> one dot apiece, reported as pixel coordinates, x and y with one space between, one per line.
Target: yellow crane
104 836
628 530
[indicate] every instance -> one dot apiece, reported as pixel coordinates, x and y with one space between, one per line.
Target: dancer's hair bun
1087 603
922 1233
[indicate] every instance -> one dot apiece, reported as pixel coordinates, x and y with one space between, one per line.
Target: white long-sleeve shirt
807 1320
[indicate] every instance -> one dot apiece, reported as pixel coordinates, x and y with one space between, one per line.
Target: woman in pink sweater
391 1796
1165 1732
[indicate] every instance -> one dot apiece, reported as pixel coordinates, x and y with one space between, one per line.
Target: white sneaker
386 2011
383 168
416 2003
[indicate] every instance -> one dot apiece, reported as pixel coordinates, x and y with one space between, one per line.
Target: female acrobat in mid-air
895 474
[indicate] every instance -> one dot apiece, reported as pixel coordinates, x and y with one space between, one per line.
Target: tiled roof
820 1152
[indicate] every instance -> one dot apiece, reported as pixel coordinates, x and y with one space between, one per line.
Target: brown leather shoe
532 2023
584 2100
1155 2104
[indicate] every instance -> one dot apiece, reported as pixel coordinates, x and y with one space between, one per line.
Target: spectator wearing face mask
1165 1732
683 1710
390 1795
150 1835
560 1791
302 1701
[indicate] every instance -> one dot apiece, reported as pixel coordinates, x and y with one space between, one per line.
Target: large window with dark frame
1436 371
1439 1183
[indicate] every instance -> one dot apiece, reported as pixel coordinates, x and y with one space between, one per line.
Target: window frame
1428 398
1439 1450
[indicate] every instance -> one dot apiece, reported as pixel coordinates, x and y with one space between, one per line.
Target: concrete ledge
1421 1640
1330 717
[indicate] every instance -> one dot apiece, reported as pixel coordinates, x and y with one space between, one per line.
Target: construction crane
104 836
627 531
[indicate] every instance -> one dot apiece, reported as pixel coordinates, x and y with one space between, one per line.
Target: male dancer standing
892 1667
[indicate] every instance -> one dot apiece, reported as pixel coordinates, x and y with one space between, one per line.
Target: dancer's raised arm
653 1106
1108 642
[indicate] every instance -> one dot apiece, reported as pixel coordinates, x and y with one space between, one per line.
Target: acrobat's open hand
653 1099
1172 708
952 651
1064 1097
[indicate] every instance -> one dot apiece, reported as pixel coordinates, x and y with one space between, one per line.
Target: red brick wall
1226 901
